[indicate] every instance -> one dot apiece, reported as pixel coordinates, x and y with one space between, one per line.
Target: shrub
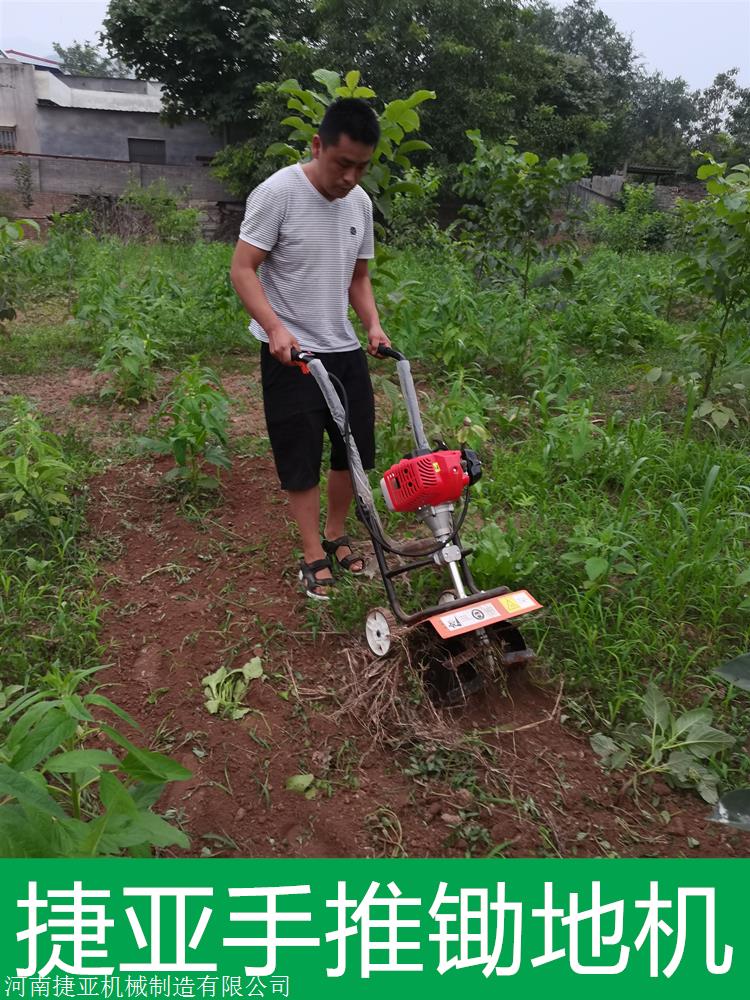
159 205
510 218
638 225
34 478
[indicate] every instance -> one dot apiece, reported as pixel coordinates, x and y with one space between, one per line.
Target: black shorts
297 416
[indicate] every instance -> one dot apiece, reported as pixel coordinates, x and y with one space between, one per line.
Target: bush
637 226
159 205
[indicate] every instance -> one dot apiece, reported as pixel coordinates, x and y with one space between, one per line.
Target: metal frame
363 491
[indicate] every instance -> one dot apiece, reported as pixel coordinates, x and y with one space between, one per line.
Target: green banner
343 928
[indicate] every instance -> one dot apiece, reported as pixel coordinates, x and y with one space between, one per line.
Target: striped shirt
313 245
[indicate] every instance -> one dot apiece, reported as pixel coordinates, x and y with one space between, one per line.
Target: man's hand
280 344
375 339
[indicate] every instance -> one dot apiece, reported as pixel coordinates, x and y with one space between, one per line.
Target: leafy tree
662 118
722 107
582 30
512 200
472 53
584 98
87 59
718 265
209 57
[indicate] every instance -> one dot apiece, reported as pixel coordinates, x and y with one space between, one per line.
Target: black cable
372 526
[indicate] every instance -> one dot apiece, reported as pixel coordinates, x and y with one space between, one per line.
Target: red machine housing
424 481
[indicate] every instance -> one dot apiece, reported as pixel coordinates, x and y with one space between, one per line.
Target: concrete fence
57 179
597 190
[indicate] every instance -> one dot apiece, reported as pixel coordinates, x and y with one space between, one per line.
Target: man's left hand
375 339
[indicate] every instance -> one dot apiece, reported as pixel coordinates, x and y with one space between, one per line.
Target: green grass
623 517
50 608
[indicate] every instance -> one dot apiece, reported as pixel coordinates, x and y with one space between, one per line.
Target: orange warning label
489 611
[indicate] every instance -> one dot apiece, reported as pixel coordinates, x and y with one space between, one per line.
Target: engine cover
424 481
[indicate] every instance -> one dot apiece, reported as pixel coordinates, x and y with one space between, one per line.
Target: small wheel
447 596
378 632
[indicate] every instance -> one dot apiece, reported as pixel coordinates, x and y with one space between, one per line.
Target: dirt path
188 594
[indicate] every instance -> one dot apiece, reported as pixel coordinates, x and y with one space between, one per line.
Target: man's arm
363 303
244 274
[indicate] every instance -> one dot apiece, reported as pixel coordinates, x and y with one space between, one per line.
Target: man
310 227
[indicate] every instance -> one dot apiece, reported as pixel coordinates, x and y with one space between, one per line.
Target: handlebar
389 352
301 358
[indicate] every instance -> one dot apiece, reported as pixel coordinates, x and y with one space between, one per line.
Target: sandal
346 562
311 582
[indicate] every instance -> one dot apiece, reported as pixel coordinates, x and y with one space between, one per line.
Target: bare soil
189 591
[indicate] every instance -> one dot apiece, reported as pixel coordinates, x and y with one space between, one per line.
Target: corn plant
61 798
198 409
129 357
34 479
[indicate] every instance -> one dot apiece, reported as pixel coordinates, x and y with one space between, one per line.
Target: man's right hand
280 344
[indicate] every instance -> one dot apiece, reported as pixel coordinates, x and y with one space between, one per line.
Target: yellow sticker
436 466
510 603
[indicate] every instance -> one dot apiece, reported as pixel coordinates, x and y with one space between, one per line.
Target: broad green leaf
152 829
595 567
695 717
27 792
656 707
74 706
419 96
214 679
115 797
294 121
708 170
145 765
352 78
720 417
703 740
102 702
413 146
75 760
49 733
44 838
328 78
283 149
146 795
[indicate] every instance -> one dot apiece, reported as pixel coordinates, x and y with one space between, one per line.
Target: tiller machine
470 634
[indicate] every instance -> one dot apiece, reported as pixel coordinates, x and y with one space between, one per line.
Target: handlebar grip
301 356
300 359
389 352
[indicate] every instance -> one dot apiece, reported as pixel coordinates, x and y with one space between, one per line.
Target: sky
695 39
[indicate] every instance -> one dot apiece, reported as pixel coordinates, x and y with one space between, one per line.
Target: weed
61 798
225 689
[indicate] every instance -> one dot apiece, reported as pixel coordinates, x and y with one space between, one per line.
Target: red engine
424 481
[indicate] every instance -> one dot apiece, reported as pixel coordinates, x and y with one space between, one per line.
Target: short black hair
350 116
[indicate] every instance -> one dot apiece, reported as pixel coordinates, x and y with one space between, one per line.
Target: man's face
340 166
